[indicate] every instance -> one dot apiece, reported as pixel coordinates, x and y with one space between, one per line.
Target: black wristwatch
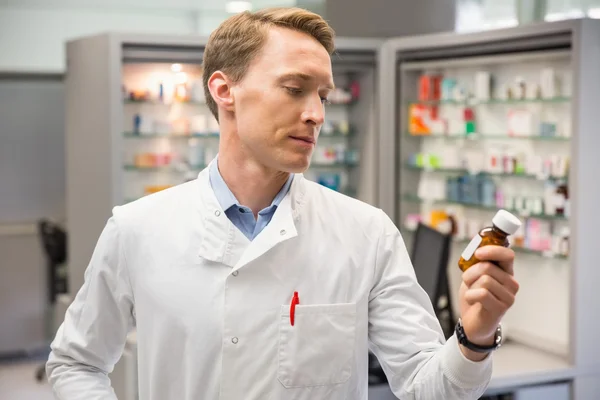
462 339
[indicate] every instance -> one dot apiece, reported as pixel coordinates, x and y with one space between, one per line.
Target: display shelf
337 134
418 200
174 135
516 249
411 167
457 136
547 58
475 102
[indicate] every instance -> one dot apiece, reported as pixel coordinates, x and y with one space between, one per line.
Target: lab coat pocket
319 348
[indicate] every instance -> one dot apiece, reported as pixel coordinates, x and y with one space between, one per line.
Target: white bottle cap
506 222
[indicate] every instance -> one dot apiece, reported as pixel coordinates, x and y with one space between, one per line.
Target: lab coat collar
219 231
227 199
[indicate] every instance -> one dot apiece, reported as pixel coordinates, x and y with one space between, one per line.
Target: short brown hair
234 44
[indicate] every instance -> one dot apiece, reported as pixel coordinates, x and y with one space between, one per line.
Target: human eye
293 90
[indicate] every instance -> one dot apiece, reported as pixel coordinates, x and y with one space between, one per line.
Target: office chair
54 243
429 255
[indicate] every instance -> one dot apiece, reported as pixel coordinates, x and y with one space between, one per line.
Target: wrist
477 348
474 355
482 341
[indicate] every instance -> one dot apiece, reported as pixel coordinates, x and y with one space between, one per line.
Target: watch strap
461 336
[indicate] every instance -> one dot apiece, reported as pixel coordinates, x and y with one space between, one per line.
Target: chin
297 166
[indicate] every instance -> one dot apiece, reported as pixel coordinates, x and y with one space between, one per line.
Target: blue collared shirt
239 215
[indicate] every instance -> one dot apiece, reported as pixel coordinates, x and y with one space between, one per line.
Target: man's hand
486 293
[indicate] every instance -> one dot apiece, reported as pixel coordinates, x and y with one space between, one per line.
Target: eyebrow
304 77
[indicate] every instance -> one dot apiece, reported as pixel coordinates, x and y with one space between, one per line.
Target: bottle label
471 247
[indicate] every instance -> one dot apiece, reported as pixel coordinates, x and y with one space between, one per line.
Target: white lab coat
212 309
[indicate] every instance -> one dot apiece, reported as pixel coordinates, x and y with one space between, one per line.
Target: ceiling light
234 7
176 68
594 12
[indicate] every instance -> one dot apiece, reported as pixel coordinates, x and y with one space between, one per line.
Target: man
254 283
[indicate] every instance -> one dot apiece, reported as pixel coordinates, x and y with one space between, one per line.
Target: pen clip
295 301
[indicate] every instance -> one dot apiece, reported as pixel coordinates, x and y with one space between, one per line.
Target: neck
253 184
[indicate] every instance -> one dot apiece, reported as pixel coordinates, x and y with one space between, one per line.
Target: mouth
306 139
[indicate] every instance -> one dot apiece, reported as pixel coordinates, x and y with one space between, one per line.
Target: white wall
33 32
32 39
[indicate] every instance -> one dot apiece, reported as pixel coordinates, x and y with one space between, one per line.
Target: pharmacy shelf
475 102
173 135
411 167
415 199
516 249
336 134
460 136
553 57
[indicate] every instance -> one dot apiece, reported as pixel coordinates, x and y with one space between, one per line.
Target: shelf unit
157 125
520 213
487 136
476 102
185 152
450 170
407 234
552 312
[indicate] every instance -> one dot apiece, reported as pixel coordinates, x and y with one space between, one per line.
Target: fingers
492 271
502 256
486 299
496 289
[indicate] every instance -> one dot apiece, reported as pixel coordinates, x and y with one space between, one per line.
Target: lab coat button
234 340
282 232
234 273
217 213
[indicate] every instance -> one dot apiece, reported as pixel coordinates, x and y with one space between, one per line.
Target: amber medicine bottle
503 225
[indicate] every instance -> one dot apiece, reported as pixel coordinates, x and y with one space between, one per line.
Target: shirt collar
227 199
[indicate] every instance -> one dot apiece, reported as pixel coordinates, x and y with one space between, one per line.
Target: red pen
295 301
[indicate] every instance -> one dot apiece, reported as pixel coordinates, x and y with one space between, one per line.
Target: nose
314 114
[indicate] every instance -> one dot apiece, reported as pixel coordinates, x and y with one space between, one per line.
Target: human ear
219 86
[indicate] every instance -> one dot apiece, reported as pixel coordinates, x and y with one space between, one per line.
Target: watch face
499 336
